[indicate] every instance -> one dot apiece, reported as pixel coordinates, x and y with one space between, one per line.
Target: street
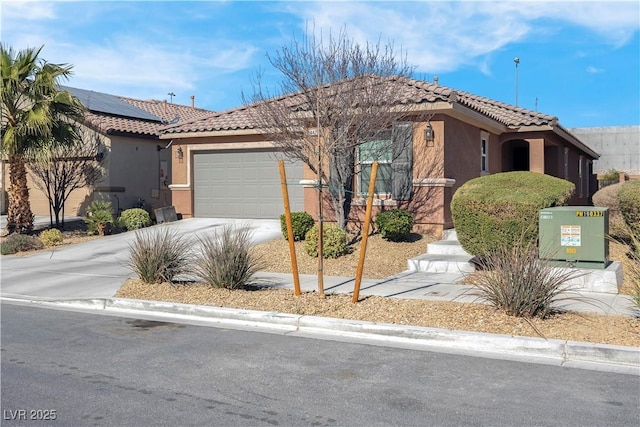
87 369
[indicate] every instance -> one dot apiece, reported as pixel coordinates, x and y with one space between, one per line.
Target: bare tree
335 96
68 168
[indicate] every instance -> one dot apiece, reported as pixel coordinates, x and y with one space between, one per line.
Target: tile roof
408 92
163 111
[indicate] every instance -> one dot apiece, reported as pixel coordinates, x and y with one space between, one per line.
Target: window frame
362 186
484 153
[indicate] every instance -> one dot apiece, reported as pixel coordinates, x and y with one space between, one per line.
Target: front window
380 150
484 153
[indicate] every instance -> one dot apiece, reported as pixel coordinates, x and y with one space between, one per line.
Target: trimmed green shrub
225 260
99 218
629 203
496 210
51 237
19 243
335 241
158 256
394 224
516 280
607 197
134 219
301 222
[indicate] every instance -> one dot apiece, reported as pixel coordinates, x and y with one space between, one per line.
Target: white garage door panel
243 184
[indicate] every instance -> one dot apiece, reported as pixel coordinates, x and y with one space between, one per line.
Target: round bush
629 203
496 210
301 222
607 197
133 219
335 241
51 237
395 224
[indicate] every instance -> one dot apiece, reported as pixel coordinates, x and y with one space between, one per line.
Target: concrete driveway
96 269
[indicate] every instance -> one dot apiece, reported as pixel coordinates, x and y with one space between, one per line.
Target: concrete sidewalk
443 287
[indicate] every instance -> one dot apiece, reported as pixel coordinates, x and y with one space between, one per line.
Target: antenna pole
517 61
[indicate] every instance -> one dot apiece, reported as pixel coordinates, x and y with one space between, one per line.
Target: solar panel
105 103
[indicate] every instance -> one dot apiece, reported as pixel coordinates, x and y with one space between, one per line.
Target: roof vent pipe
193 101
435 80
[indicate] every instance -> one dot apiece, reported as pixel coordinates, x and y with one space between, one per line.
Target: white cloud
594 70
443 36
30 10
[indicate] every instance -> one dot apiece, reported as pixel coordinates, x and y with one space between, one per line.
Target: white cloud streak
443 36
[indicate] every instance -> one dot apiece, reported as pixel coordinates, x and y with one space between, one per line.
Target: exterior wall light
428 135
179 153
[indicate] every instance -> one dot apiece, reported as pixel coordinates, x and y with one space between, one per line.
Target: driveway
96 269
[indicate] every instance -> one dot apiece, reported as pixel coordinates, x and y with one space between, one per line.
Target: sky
578 60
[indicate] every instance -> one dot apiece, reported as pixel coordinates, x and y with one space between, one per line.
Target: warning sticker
570 235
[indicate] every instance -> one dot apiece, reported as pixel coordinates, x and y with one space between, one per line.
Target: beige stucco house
138 164
223 165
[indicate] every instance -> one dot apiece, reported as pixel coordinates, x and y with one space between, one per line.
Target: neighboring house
228 168
619 148
138 165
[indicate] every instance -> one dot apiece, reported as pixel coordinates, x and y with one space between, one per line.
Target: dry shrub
19 243
225 261
158 256
607 197
518 282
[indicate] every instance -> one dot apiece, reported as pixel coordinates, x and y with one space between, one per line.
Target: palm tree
36 115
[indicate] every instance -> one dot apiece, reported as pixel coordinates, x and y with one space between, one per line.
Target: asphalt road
87 369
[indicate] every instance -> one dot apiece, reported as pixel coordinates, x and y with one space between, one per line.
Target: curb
474 343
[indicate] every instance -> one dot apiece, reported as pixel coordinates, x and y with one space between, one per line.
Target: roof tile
407 90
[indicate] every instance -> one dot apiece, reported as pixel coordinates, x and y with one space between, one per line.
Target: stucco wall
618 146
133 166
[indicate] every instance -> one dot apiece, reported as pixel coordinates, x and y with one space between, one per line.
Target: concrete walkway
88 274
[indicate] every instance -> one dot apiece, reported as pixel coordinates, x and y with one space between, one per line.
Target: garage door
243 184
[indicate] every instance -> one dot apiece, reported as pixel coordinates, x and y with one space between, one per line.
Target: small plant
134 219
395 224
158 256
518 282
225 261
19 243
301 222
51 237
335 242
611 175
99 218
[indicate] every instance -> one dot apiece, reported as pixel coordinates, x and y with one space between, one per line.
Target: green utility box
575 236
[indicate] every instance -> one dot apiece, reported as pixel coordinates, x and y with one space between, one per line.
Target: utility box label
570 235
590 213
